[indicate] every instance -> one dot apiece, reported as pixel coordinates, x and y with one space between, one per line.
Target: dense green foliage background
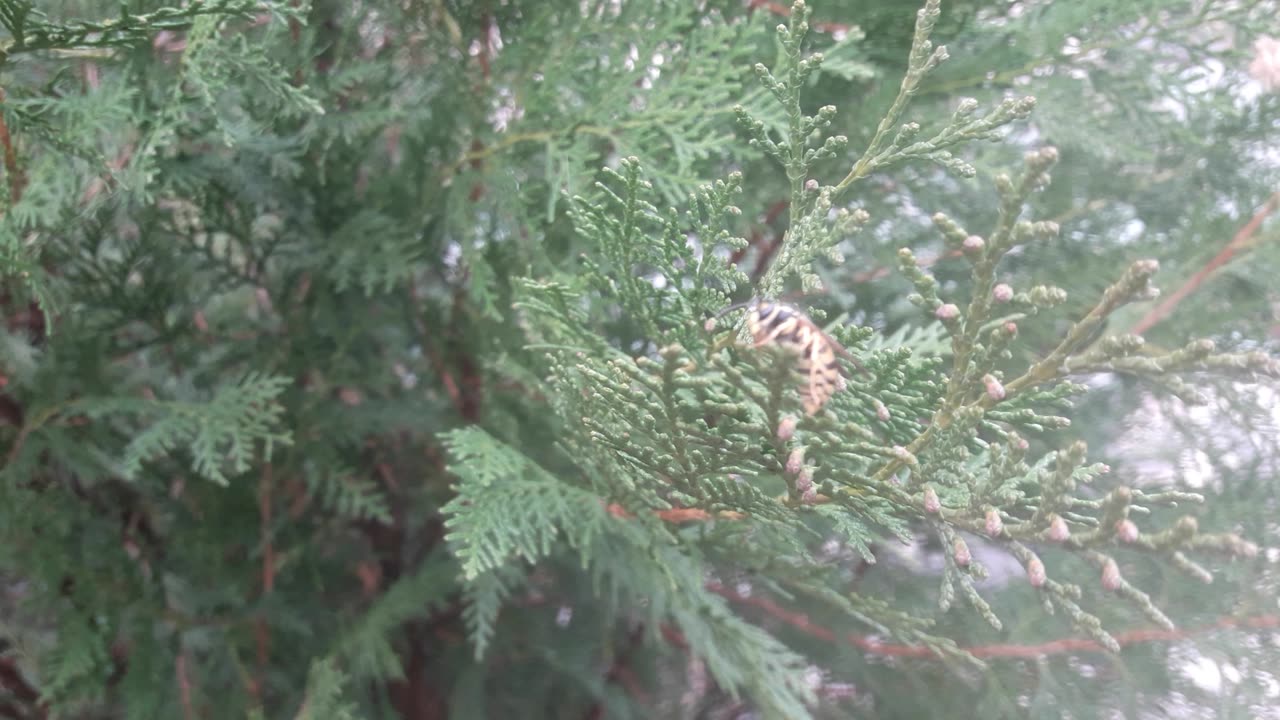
304 303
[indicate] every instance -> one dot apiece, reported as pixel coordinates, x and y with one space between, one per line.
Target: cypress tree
445 359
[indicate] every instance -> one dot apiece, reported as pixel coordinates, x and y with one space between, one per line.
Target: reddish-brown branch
261 630
184 686
621 673
17 179
784 11
106 180
433 353
752 240
673 636
1240 241
678 515
757 235
265 487
446 377
486 44
415 697
801 622
11 680
768 251
472 375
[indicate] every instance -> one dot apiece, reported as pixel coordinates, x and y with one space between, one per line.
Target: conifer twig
865 276
924 57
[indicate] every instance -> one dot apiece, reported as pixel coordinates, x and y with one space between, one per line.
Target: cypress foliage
377 359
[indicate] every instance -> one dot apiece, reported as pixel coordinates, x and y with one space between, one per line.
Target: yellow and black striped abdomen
816 364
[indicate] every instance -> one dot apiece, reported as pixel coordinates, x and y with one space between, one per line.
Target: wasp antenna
735 306
842 352
858 364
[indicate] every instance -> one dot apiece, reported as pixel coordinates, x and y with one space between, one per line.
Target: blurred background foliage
234 205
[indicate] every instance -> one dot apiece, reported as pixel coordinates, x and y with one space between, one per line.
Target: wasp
787 327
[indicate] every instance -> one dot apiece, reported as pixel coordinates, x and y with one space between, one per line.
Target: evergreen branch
866 276
224 430
31 31
1134 284
497 480
811 234
965 328
922 59
195 214
366 647
323 699
1125 37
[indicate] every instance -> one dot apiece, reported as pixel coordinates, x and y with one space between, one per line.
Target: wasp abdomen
787 327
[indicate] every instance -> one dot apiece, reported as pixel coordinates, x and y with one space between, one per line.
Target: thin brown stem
184 686
1242 240
1005 651
261 630
17 179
